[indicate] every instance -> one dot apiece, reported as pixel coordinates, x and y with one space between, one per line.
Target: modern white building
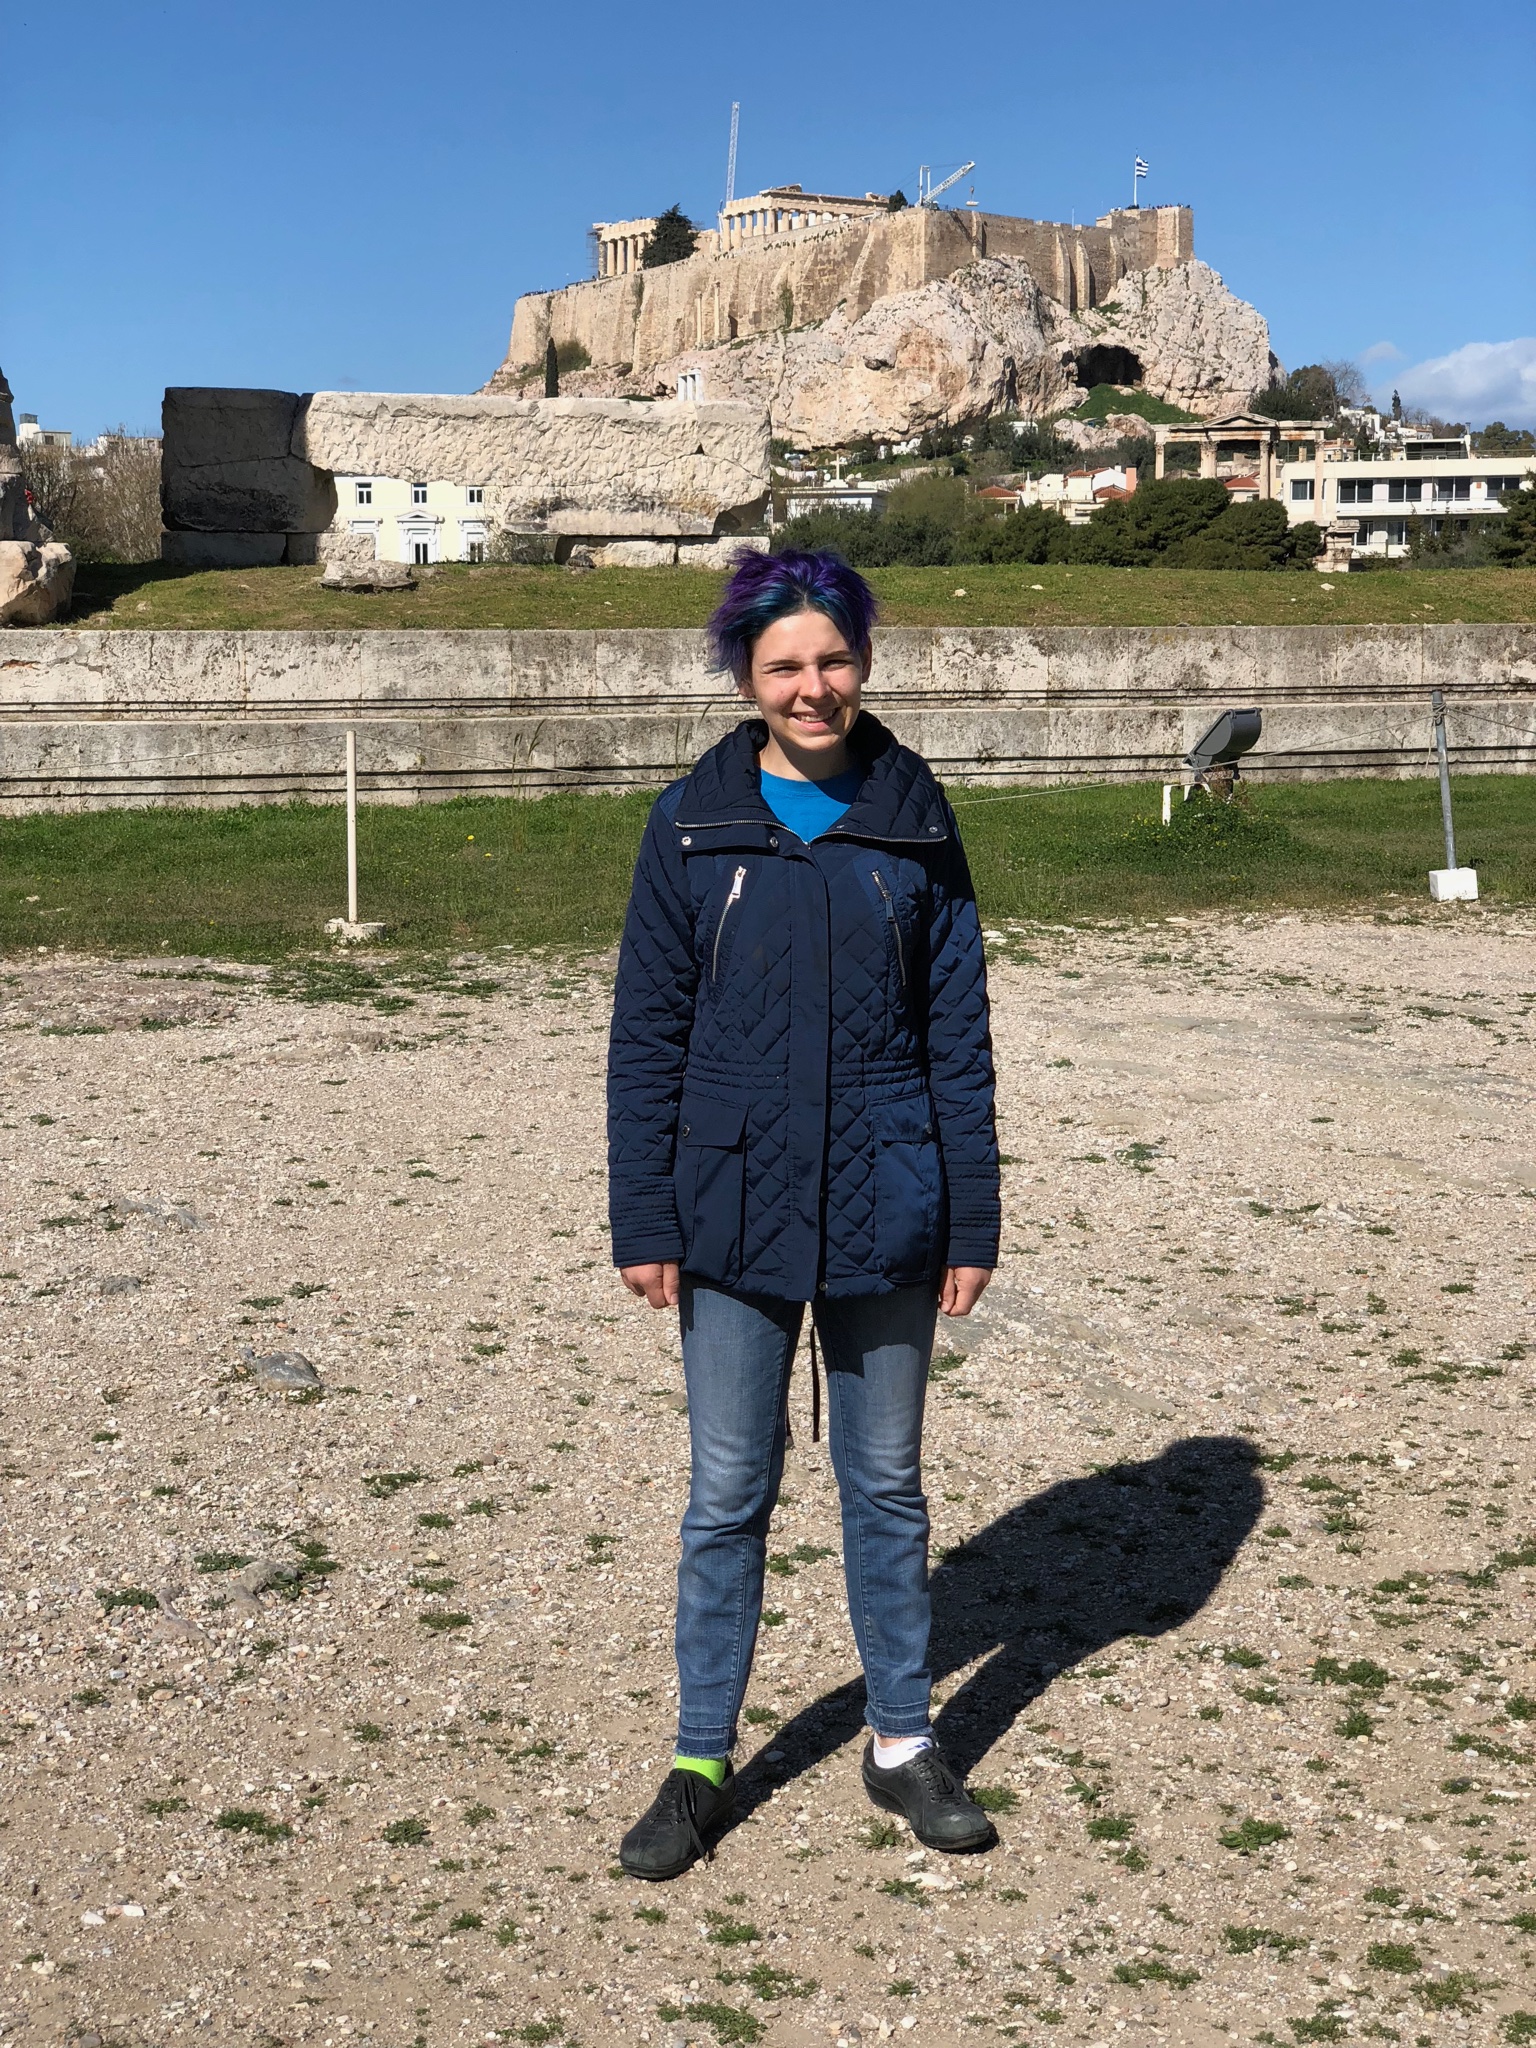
1386 499
418 523
1076 493
29 432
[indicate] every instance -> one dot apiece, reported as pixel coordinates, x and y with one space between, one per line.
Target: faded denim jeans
737 1353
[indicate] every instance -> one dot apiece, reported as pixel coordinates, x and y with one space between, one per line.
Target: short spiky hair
768 587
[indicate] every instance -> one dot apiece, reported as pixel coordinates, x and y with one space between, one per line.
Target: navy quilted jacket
800 1084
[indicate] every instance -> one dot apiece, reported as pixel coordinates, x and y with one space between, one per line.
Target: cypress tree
551 370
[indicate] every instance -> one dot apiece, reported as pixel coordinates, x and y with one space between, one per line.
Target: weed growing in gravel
158 1808
408 1833
1247 1941
250 1820
1250 1835
879 1834
995 1798
385 1485
125 1596
728 1933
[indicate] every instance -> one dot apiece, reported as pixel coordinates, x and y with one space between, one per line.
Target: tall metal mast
730 162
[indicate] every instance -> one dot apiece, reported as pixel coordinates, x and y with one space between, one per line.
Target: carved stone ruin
37 573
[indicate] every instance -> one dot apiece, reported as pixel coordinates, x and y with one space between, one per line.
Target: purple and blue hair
764 588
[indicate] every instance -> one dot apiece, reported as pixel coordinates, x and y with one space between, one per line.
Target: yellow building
419 523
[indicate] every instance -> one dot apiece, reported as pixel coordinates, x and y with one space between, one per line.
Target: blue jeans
737 1352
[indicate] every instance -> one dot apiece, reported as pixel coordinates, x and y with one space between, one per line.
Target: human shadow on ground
1133 1551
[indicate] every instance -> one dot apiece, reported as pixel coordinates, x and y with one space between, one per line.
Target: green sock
711 1767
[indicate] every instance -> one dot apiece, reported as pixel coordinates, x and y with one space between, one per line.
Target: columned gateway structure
784 208
621 245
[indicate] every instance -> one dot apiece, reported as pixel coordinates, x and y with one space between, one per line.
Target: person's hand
963 1288
657 1284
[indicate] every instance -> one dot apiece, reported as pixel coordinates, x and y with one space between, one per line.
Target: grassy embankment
258 883
149 596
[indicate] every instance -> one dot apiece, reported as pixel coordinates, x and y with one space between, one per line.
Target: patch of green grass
408 1833
1361 1672
221 1560
1400 1956
250 1820
257 882
1155 1973
109 596
1247 1941
385 1485
435 1618
767 1982
995 1798
125 1596
728 2023
729 1933
1111 1827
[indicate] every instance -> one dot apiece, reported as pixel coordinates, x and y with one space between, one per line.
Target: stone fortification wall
247 476
92 721
635 323
925 318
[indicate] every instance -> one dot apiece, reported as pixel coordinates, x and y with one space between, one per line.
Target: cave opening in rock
1107 363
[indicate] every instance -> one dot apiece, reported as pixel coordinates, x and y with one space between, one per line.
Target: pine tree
672 240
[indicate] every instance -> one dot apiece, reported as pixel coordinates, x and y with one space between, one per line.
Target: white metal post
1167 803
351 826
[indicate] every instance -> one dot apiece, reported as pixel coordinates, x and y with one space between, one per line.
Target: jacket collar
899 801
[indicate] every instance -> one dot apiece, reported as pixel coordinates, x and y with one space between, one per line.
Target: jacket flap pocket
909 1122
706 1121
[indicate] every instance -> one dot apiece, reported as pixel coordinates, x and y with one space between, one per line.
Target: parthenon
779 210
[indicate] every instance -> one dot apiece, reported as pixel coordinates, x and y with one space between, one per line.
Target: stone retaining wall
91 720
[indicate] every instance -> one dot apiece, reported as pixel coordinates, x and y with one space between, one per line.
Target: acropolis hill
845 319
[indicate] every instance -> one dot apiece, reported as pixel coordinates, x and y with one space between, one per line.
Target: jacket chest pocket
710 1181
721 929
909 1188
898 940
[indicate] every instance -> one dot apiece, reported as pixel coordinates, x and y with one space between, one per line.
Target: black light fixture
1222 745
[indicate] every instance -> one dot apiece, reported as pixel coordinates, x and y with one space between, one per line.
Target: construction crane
927 192
730 162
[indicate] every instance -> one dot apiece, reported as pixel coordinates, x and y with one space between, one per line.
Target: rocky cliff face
986 338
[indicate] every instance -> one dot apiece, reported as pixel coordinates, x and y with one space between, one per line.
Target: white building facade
411 522
1387 499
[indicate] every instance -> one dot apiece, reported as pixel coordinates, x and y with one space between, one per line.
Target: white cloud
1382 352
1481 381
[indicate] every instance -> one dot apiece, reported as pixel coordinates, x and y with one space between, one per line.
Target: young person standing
801 1111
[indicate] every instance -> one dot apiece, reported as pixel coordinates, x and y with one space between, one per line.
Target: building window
418 494
1405 492
474 551
1301 490
421 551
474 494
1453 487
364 492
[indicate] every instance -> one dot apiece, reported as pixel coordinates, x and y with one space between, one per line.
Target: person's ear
744 688
867 657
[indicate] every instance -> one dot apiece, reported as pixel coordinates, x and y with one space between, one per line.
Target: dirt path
1233 1539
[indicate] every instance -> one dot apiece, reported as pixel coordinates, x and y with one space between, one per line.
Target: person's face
806 682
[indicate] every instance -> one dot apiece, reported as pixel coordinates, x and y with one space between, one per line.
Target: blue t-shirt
810 808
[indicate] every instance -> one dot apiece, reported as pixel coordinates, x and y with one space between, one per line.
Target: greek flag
1141 169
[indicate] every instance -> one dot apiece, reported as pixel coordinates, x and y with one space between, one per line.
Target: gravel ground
323 1710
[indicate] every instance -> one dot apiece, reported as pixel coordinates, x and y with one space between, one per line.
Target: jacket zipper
735 897
895 922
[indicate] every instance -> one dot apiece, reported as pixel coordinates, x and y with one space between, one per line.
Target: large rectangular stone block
223 550
229 464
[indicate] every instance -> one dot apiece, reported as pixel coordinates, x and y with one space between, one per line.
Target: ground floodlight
1226 741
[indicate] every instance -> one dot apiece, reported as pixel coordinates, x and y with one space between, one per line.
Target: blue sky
317 196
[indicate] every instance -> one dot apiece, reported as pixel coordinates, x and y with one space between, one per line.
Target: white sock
894 1751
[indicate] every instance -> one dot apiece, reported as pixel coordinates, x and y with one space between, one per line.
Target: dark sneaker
671 1834
930 1799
